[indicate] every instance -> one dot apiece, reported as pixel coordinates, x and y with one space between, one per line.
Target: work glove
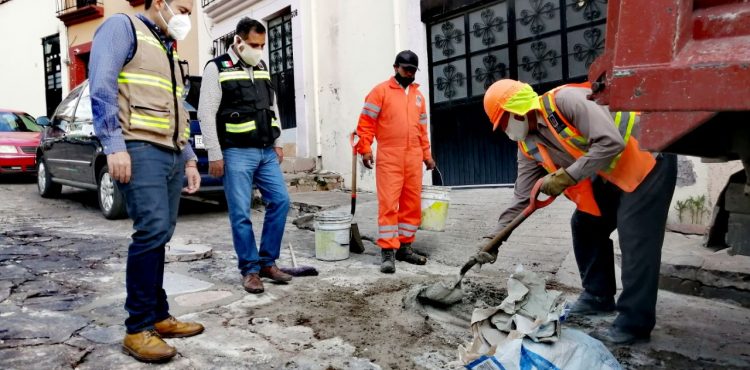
484 257
556 182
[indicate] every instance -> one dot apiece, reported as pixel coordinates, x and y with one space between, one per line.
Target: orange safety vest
626 171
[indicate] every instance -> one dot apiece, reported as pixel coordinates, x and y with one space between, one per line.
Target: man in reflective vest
240 131
136 99
395 113
591 155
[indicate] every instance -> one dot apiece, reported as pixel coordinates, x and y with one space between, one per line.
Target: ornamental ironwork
534 18
541 55
450 80
275 38
591 9
446 42
491 72
594 43
489 26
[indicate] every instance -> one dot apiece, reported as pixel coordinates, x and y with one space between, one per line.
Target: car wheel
47 188
111 201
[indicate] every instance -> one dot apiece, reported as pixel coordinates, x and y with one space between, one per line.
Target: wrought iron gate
282 67
542 42
52 72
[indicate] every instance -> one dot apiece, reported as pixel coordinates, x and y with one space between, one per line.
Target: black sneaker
619 336
388 264
588 304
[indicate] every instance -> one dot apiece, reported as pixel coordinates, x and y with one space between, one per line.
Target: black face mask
404 81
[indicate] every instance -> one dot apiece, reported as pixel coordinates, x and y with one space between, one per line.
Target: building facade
33 79
325 56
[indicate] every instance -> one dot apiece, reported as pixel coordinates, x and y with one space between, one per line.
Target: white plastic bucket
332 235
435 203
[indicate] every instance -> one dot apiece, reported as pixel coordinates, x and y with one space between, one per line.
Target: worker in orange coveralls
395 114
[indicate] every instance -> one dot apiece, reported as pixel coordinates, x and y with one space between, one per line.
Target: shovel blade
355 239
442 294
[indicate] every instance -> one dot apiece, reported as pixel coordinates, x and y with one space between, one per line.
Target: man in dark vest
139 119
240 130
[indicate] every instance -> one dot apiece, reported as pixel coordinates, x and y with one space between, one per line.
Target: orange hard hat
509 95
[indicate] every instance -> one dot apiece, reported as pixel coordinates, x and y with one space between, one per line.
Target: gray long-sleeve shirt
594 122
210 100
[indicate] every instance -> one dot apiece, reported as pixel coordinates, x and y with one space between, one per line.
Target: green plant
680 207
695 205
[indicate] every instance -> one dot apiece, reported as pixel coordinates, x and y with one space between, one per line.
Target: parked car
19 138
71 154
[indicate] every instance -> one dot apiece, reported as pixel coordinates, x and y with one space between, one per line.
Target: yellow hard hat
509 95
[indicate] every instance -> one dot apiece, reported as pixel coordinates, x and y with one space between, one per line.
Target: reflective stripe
530 148
406 233
372 107
624 122
369 113
275 123
234 75
387 228
408 227
423 118
148 80
149 121
150 39
262 75
388 235
240 127
187 132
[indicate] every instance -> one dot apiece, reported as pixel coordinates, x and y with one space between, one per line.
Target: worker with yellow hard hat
590 154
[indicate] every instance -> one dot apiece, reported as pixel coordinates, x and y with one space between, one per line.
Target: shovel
355 239
443 294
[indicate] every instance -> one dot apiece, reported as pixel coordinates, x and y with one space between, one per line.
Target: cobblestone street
62 292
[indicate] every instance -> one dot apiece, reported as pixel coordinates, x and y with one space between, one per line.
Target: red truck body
685 64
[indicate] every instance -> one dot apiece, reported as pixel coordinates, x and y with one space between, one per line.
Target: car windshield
18 122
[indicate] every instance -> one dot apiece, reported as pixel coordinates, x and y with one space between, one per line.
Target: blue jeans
152 197
244 167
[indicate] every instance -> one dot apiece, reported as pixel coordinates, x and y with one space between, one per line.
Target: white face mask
517 129
178 26
249 55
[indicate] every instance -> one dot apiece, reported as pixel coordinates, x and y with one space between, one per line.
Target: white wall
357 43
342 49
706 179
210 29
23 24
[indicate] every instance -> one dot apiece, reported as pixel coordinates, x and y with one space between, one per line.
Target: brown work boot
252 283
272 272
406 253
171 328
147 346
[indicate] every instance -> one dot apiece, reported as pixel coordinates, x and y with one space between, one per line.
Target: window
541 42
281 64
222 44
65 111
18 122
52 72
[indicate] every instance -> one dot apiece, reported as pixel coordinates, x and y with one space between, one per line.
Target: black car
70 153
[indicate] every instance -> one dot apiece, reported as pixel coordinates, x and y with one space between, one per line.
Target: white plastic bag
574 350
